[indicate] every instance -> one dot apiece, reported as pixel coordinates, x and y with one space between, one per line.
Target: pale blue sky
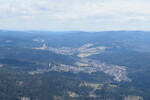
66 15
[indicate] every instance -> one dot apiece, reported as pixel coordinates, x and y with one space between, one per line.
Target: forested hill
74 65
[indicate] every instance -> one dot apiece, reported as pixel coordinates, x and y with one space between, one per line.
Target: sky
67 15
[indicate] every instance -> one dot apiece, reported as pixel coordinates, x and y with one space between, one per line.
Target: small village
84 64
91 66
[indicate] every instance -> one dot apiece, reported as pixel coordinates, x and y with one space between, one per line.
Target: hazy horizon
72 30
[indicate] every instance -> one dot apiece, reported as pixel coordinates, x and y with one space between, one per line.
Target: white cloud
27 17
77 11
139 18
